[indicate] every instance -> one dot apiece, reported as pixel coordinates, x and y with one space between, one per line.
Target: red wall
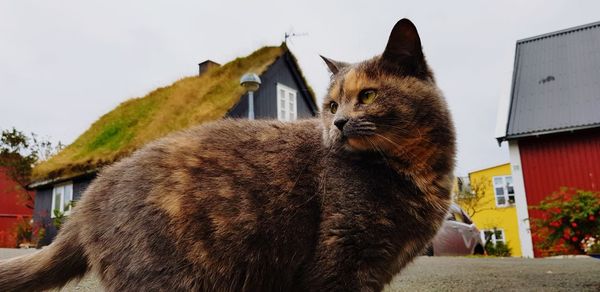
560 160
12 210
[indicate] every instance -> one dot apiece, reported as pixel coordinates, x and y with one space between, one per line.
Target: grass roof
137 121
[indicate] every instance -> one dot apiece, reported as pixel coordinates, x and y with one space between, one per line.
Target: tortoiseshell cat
336 204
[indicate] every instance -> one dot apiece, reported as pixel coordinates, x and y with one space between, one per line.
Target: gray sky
63 64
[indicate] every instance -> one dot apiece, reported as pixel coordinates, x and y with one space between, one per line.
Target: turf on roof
135 122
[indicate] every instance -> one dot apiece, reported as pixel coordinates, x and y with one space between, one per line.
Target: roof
556 83
208 62
135 122
303 84
488 168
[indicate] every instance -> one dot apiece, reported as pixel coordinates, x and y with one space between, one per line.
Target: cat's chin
357 144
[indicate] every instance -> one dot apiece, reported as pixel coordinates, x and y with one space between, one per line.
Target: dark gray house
215 93
283 94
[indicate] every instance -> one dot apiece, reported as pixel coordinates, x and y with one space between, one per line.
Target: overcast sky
63 64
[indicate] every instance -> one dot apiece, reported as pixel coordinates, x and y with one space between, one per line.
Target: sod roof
137 121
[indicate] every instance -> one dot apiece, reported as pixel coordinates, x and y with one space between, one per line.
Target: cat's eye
333 106
367 96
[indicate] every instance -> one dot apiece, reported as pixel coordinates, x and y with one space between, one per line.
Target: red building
12 210
553 128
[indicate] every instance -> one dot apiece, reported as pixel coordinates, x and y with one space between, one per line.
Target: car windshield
458 215
466 219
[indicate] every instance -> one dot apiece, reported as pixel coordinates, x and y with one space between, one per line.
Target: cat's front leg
352 258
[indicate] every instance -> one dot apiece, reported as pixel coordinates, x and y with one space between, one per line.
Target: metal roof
556 83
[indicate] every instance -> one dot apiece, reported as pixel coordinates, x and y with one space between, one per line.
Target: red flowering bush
567 217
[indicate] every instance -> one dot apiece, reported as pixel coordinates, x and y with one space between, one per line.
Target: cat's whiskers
408 124
378 151
420 137
418 142
389 140
404 133
404 130
401 150
422 141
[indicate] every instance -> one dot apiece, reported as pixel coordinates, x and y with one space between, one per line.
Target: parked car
457 236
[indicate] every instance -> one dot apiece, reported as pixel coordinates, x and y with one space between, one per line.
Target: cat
338 203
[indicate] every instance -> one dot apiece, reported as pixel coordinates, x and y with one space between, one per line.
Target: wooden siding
12 210
43 205
41 214
561 160
265 99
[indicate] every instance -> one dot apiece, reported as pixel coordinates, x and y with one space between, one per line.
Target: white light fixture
251 82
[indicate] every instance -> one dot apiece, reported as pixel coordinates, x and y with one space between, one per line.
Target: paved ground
464 274
495 274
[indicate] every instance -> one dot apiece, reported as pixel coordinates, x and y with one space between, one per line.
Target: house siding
560 160
12 210
79 187
265 99
41 214
43 206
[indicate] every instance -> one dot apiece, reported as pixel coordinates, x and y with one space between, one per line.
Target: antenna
293 34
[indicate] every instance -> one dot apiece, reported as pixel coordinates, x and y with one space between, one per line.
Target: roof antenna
293 34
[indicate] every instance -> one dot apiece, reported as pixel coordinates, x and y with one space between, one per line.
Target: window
286 103
62 195
504 190
493 235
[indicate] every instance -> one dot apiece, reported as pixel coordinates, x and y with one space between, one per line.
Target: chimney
206 65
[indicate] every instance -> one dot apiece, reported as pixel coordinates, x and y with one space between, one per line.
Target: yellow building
495 213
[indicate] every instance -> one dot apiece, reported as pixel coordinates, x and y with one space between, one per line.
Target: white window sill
505 206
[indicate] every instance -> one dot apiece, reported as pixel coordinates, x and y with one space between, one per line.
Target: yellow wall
492 216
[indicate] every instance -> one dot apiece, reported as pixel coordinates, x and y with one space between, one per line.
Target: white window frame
290 110
63 188
504 186
494 239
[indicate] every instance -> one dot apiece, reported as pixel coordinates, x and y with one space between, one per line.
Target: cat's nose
339 123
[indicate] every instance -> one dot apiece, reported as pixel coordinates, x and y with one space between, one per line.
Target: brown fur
271 206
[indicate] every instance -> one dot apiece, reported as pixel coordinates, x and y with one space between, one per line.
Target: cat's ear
334 66
403 53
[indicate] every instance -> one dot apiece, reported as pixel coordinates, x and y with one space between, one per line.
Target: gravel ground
462 274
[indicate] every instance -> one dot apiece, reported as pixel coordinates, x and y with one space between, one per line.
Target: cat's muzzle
357 128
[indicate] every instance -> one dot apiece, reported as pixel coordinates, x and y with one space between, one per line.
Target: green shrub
500 249
24 231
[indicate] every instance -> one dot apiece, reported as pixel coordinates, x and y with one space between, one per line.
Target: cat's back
227 196
229 143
